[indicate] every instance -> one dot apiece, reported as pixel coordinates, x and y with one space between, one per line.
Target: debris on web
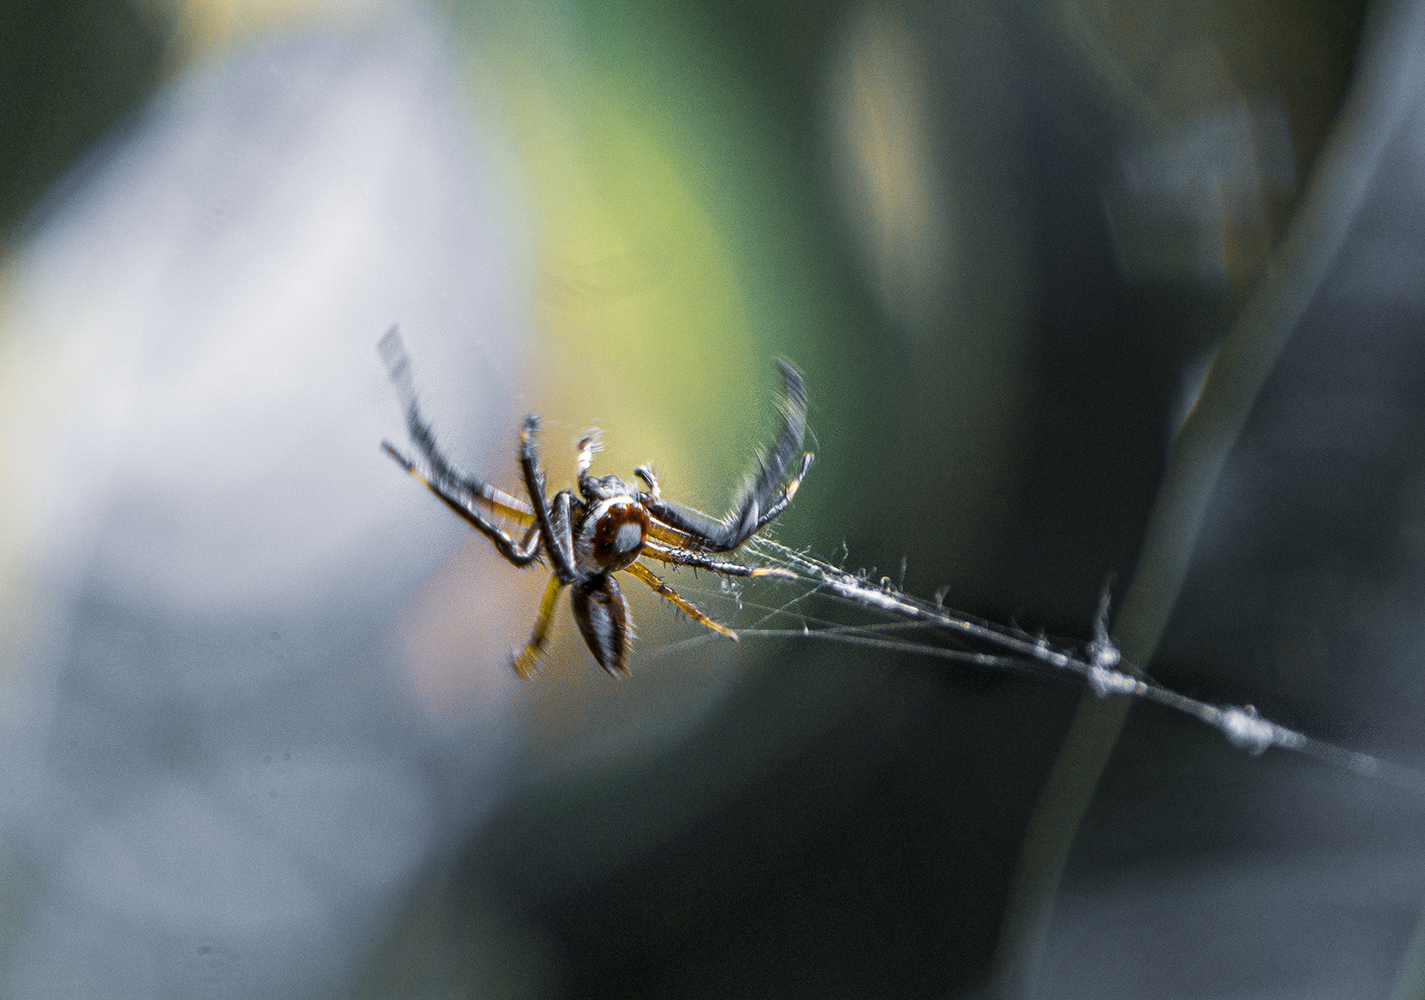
1246 730
1104 682
1102 652
1099 665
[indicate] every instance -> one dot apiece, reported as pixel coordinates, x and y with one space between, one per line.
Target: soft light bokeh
260 736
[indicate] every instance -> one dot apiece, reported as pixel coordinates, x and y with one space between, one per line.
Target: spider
609 525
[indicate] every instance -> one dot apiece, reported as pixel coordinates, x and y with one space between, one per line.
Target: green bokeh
69 72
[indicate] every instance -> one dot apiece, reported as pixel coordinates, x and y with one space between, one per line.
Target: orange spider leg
528 660
520 553
670 536
496 501
669 594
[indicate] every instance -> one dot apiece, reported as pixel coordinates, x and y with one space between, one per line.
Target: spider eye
619 535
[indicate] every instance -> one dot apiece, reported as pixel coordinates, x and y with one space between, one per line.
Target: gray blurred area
224 761
1198 873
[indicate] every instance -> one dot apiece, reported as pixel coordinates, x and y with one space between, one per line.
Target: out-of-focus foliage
68 72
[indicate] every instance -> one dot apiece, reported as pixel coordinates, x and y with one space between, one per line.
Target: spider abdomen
603 619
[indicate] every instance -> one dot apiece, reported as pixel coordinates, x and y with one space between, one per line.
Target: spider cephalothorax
609 525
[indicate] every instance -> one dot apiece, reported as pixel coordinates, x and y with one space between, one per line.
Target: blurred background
1048 269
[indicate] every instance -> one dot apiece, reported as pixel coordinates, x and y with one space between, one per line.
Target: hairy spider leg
520 553
697 560
759 503
468 490
561 519
684 527
685 538
773 512
586 455
398 368
662 532
645 472
442 469
528 659
669 594
559 544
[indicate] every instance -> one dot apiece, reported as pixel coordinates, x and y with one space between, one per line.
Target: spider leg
697 560
558 543
669 594
771 513
590 489
693 529
562 522
450 479
520 553
645 472
478 490
759 503
586 456
528 659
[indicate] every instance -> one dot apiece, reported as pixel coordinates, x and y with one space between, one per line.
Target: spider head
620 527
596 488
